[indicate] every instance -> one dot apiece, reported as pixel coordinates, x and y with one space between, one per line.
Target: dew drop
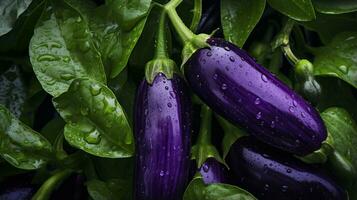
291 109
209 53
343 69
166 87
66 59
95 89
172 94
215 76
264 78
46 57
272 124
67 76
197 76
224 86
226 48
288 170
231 58
93 137
294 103
169 105
284 188
162 173
259 115
257 101
302 114
205 168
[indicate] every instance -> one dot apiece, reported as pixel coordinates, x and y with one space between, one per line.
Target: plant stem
286 44
50 184
161 47
204 136
185 33
197 12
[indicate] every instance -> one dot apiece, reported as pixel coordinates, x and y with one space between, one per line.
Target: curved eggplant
228 80
271 174
162 133
213 172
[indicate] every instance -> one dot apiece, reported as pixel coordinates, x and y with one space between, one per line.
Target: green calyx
192 45
203 149
159 65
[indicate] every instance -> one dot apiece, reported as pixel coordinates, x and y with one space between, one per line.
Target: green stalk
197 13
204 136
51 184
161 46
289 25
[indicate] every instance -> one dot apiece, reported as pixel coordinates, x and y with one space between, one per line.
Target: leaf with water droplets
239 18
338 58
96 122
20 145
62 49
343 129
301 10
198 190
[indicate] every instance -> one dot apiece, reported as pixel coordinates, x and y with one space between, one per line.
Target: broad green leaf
217 191
96 123
17 40
343 131
13 90
62 50
335 6
10 11
301 10
116 33
239 17
327 26
338 58
20 145
113 189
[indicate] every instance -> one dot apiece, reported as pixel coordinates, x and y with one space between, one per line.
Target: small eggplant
18 187
162 133
228 80
269 173
213 172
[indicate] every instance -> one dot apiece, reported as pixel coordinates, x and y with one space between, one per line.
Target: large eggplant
269 173
213 172
162 133
228 80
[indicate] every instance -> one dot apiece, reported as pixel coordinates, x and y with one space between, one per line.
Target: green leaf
338 58
121 31
62 50
301 10
96 123
201 152
10 11
239 18
20 145
13 90
217 191
343 131
327 26
17 40
113 189
335 6
51 130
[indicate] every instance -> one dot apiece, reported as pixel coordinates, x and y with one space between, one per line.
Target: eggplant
269 173
162 135
213 172
18 187
228 80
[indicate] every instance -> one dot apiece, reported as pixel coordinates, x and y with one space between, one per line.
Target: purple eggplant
228 80
213 172
269 173
18 187
162 134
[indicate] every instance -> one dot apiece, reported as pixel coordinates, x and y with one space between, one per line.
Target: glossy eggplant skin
228 80
213 172
162 133
269 173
